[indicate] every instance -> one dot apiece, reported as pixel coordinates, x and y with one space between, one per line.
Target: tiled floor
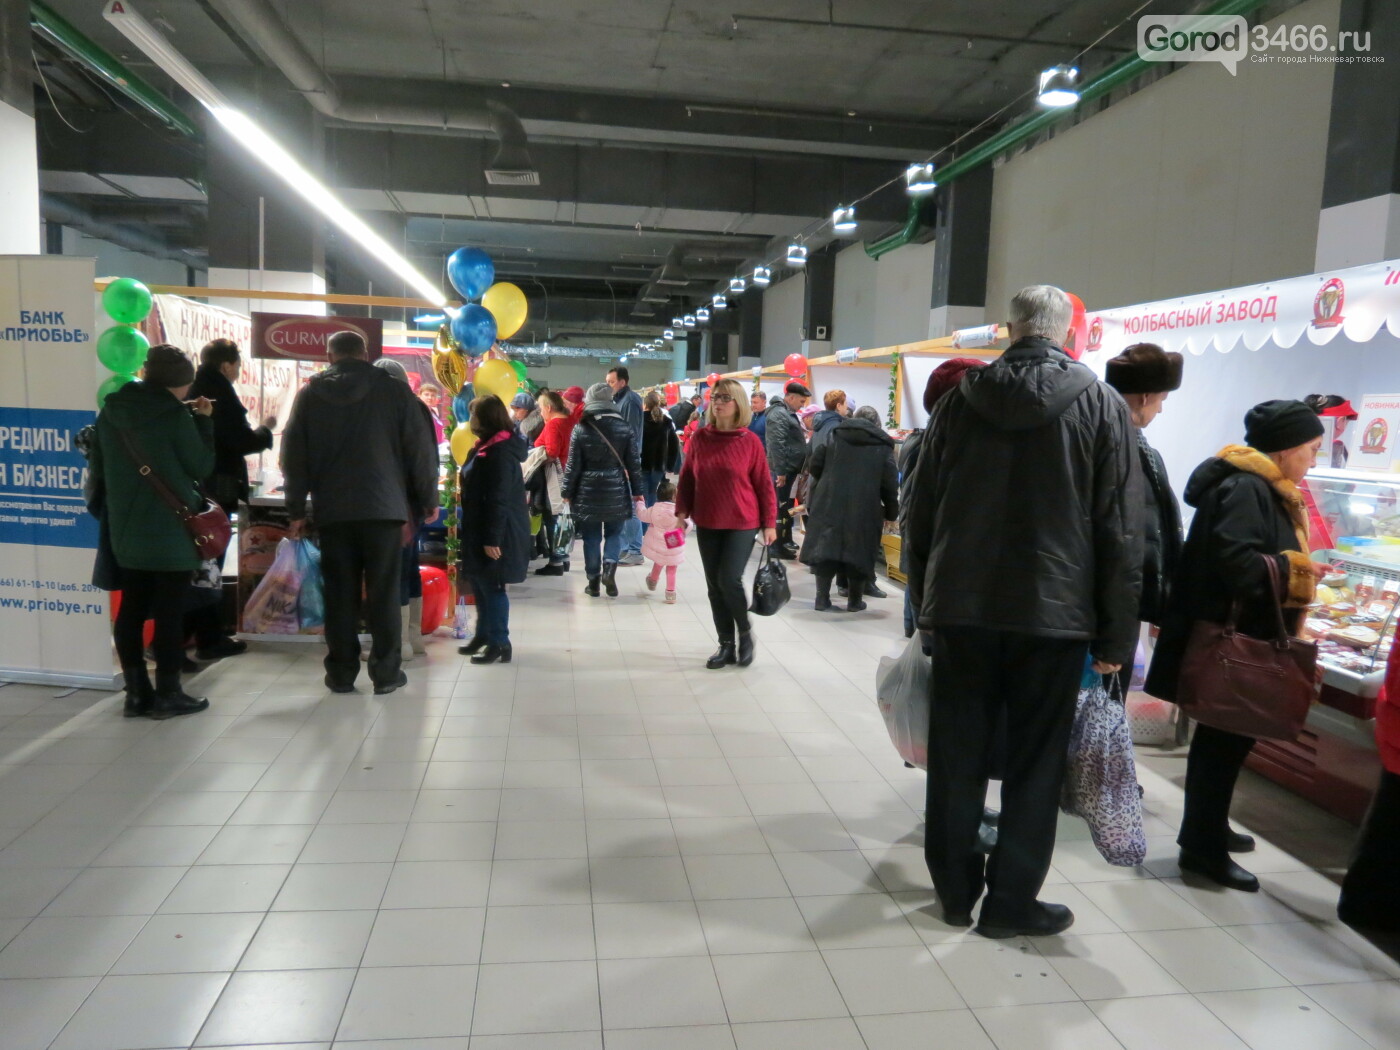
599 845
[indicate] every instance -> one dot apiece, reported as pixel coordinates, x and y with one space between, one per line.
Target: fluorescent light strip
263 146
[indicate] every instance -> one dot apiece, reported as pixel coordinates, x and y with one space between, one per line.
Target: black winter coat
1027 505
854 491
906 463
234 439
494 513
595 484
784 440
1239 516
661 449
1161 535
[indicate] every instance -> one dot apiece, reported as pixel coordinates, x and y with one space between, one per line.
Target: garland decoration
890 416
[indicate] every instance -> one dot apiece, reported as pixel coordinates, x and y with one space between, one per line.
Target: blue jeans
608 536
651 479
492 612
632 535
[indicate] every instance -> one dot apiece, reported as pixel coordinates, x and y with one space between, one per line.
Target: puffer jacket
1027 505
854 491
1161 535
595 483
783 439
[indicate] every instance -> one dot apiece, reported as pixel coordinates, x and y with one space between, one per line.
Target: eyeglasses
722 399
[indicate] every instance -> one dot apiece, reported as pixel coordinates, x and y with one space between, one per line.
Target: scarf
494 439
1244 458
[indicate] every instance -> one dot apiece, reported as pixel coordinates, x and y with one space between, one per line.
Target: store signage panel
1377 430
303 337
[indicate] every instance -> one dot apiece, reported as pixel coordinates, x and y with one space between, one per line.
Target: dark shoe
550 570
1038 920
957 917
592 589
1238 842
170 701
785 551
843 592
1223 872
745 655
855 605
823 603
872 590
389 687
139 692
338 687
631 560
472 647
222 648
493 654
610 579
723 656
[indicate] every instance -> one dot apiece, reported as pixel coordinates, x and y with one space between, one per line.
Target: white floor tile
36 1010
1305 953
1372 1011
863 920
1143 904
438 884
475 840
538 933
701 1037
562 996
333 887
257 844
297 940
1281 1019
1166 1022
211 943
753 926
891 980
617 880
69 946
729 876
149 1011
1106 966
789 986
556 881
951 1028
425 937
1001 973
278 1007
409 1002
1046 1026
116 891
644 993
227 888
832 1033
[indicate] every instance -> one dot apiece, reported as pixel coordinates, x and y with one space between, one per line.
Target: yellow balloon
508 305
496 377
463 441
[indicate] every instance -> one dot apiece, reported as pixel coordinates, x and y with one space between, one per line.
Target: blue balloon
460 404
471 272
474 328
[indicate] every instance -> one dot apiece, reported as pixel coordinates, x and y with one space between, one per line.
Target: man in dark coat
357 446
629 406
759 423
786 445
683 410
1024 558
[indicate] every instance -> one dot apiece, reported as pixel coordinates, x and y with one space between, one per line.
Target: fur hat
167 366
1144 368
1274 426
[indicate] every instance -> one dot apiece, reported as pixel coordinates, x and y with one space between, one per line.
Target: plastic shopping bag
1101 781
902 691
311 600
770 585
563 535
272 609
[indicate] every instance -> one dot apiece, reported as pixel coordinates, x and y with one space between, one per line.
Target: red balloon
712 379
673 393
437 597
1078 339
795 365
148 632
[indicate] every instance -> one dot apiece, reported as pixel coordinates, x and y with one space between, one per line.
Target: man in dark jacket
759 423
1024 558
629 406
786 445
356 444
683 410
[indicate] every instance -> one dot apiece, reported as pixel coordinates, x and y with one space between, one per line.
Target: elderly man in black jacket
1025 558
786 445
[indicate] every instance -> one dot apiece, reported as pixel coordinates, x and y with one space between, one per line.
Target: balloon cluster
795 365
122 348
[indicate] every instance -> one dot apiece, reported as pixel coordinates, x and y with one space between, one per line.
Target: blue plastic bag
311 600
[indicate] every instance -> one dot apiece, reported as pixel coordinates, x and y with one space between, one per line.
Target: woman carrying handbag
1248 513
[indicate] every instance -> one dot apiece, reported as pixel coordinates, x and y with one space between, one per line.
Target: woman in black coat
1248 508
601 483
661 448
495 526
854 490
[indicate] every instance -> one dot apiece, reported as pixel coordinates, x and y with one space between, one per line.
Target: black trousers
158 596
1212 767
725 554
984 680
362 557
1369 897
784 494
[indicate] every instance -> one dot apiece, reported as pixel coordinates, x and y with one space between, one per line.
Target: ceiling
718 129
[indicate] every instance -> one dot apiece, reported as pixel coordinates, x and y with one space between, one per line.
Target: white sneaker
670 597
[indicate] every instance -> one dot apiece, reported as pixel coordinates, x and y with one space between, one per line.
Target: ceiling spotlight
762 276
668 334
736 285
843 219
1058 86
702 315
719 302
688 320
797 254
918 180
678 322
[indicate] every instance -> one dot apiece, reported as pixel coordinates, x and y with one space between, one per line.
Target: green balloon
111 386
122 349
127 300
519 367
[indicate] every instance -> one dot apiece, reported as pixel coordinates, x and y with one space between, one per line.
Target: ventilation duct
63 213
672 272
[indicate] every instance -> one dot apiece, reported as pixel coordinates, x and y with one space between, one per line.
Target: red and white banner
1355 302
189 325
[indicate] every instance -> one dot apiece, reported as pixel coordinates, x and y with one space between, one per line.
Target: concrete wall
113 261
1199 181
782 318
880 303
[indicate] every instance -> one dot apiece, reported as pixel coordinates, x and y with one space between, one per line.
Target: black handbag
770 585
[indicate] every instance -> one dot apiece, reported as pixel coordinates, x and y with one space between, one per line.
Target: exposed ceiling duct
434 106
57 210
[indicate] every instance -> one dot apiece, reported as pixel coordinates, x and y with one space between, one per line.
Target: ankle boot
170 700
405 649
414 633
745 654
592 590
139 693
610 579
823 602
723 656
472 647
492 654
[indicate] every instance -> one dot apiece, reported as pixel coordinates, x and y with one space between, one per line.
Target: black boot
1222 871
610 579
872 589
1238 842
723 656
592 590
170 700
139 692
745 656
472 647
550 570
1037 920
493 653
823 602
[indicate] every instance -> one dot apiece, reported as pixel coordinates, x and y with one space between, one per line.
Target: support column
961 233
1360 219
748 311
818 300
19 160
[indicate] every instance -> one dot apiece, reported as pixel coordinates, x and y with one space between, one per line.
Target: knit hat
599 394
1144 368
394 368
523 400
945 377
1278 425
797 388
574 395
167 366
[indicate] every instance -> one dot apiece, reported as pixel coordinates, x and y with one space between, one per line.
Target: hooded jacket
784 440
854 491
597 486
356 444
1027 506
494 513
234 439
178 446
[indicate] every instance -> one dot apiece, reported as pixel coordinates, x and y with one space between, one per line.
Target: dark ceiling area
586 144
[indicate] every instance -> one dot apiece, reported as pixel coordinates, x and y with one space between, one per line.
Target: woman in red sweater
726 489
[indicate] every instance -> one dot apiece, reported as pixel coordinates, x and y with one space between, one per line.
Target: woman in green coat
154 553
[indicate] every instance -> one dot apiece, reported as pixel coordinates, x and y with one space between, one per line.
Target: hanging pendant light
1058 87
843 219
918 180
797 254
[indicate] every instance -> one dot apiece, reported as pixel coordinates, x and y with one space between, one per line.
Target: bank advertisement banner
54 625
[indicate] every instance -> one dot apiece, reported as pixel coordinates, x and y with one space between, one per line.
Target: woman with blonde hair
726 489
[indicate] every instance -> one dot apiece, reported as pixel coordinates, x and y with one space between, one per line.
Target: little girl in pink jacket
661 516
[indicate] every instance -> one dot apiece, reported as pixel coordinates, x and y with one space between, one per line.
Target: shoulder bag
1255 687
613 449
209 527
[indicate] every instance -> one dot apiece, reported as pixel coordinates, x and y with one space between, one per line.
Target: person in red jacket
1371 890
554 439
726 489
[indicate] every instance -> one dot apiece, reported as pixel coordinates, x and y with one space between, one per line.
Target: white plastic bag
902 691
272 608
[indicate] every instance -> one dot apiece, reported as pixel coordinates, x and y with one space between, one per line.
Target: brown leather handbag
1251 686
208 527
